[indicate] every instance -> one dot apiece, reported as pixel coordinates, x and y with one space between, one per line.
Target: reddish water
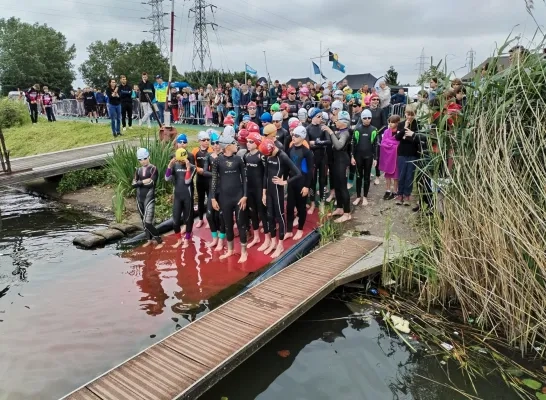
74 314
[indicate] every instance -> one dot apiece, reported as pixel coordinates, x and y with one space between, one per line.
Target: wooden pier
188 362
46 165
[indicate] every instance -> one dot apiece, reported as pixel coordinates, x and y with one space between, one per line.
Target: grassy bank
46 137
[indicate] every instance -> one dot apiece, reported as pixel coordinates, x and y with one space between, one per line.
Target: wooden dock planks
187 363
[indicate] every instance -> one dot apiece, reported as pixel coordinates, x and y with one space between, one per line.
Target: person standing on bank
47 103
146 96
407 156
114 107
161 96
126 99
363 154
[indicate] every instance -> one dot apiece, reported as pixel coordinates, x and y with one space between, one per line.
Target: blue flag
250 70
339 66
317 71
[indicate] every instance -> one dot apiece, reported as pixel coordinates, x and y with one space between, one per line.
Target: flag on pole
339 66
250 70
332 56
317 71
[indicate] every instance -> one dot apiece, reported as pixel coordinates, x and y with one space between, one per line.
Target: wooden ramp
57 163
188 362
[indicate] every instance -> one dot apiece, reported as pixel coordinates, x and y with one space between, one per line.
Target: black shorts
90 108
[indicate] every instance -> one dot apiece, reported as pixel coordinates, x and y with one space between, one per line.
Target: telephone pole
470 60
158 25
422 61
201 48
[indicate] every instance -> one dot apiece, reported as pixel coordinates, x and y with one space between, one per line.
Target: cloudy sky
368 36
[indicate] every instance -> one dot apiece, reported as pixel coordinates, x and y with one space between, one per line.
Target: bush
75 180
13 113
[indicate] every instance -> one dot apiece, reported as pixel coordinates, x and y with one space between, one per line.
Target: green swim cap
275 107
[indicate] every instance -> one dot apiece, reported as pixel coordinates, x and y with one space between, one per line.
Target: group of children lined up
242 177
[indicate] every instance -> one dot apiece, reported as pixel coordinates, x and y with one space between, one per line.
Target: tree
197 78
391 77
111 59
433 72
31 54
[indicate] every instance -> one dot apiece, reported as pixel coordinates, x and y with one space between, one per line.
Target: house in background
502 63
356 81
294 81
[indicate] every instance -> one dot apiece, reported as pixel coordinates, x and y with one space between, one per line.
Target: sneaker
392 196
124 129
130 127
417 208
399 200
387 195
407 201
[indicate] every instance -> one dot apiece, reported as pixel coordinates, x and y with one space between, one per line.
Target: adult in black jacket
126 97
407 156
318 142
363 155
147 95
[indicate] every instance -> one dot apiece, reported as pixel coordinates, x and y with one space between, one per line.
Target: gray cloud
367 37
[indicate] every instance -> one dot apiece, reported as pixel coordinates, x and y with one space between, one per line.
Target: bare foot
349 185
338 211
288 235
213 243
376 182
255 241
264 245
356 202
343 218
331 197
311 209
364 201
207 224
149 242
183 230
199 224
270 248
243 257
278 251
186 244
219 246
160 245
298 235
296 220
227 254
177 244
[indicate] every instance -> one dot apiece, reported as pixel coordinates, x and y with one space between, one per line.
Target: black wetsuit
379 120
229 180
322 141
202 183
330 156
340 142
145 196
183 197
302 157
284 137
281 166
294 107
216 222
355 120
255 164
364 150
307 104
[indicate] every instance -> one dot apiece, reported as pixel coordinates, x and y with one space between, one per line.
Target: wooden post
4 154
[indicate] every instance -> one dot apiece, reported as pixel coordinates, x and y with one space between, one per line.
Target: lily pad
540 396
531 383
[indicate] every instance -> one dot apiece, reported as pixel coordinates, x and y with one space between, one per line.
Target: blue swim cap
266 117
182 138
214 137
313 112
246 118
142 153
232 113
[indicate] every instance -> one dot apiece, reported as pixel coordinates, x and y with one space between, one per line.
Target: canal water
67 315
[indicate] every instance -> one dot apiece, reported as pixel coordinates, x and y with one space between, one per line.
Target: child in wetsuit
144 181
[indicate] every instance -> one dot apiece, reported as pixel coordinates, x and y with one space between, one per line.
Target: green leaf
531 383
540 396
514 372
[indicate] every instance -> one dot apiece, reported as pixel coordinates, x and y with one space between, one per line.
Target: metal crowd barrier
397 109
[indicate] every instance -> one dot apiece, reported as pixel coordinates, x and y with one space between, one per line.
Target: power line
201 48
470 60
422 61
158 25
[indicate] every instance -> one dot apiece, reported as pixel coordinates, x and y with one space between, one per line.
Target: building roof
294 81
356 81
502 63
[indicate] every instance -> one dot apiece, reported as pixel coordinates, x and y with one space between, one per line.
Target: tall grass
486 243
118 203
328 229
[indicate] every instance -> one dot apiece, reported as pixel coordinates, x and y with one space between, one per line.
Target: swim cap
313 112
275 107
229 120
266 117
142 154
252 127
251 104
304 91
366 114
255 137
344 116
270 131
266 147
181 154
285 106
357 95
182 138
300 132
231 114
325 98
325 116
292 119
294 124
349 97
302 114
241 136
337 105
339 93
227 140
214 137
277 116
229 131
246 117
203 135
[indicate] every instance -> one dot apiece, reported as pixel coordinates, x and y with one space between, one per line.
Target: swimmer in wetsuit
214 217
278 168
181 172
144 181
255 165
229 180
202 183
